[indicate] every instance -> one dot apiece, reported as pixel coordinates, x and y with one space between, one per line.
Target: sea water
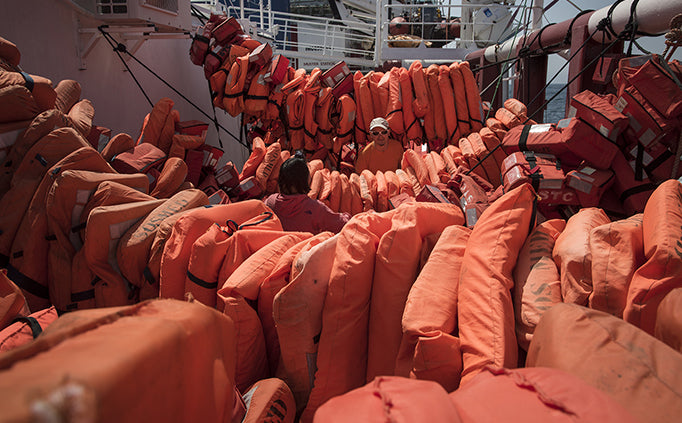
556 109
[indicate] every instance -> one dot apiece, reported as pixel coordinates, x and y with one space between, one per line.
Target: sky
564 10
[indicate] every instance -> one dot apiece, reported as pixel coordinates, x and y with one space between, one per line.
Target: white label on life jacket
634 123
587 170
551 183
542 127
572 111
604 130
633 165
621 104
472 217
647 137
7 139
579 184
646 157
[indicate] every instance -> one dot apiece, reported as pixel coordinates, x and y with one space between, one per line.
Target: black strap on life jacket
32 323
523 139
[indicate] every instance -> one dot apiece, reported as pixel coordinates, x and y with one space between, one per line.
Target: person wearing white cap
382 153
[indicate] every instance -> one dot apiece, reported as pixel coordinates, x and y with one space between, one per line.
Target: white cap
378 123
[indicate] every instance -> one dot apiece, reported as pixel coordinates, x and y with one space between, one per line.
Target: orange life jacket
459 91
449 104
412 126
346 109
360 124
233 100
473 97
257 97
421 104
311 91
394 111
323 117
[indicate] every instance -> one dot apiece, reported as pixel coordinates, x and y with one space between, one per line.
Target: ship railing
443 31
307 40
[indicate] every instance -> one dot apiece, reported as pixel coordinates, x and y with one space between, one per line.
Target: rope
121 48
117 48
548 101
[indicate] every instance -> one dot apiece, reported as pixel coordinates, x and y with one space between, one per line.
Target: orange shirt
374 160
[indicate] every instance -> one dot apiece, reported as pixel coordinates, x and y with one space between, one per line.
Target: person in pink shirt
295 209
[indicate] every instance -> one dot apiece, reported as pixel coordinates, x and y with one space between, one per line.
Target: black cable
122 48
117 49
215 117
548 101
199 14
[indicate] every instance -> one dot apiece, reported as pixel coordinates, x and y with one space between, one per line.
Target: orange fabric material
412 177
617 251
365 195
181 143
109 193
39 127
535 395
323 113
437 107
371 180
316 184
132 252
20 333
17 104
10 52
459 90
153 268
430 314
507 118
572 254
258 151
491 143
311 90
257 97
382 192
394 110
29 248
277 279
233 101
334 191
662 272
391 399
434 178
187 229
473 97
41 88
669 320
118 144
231 252
368 100
413 128
487 160
270 399
106 226
347 111
396 268
297 327
471 159
244 284
295 112
209 252
360 124
392 183
80 117
412 159
497 127
346 204
172 176
12 301
537 285
342 348
266 166
517 107
381 92
146 339
421 104
153 125
485 302
634 368
449 104
405 184
439 164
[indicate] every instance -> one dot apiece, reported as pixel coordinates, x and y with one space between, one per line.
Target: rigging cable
121 48
548 101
